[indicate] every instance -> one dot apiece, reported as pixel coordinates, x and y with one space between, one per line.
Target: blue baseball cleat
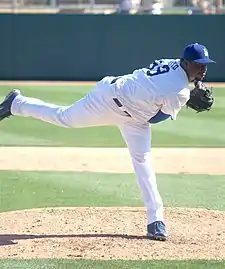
5 106
157 231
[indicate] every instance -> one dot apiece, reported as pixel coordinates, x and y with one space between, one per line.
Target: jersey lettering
173 65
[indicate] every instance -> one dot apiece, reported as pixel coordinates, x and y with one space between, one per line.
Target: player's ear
185 64
189 66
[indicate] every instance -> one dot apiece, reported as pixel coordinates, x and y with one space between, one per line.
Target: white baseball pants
96 109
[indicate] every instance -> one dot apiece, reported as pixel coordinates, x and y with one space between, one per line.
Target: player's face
196 71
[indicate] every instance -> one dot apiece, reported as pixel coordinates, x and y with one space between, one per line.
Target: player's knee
140 157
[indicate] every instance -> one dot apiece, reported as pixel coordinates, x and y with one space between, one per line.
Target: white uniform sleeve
173 103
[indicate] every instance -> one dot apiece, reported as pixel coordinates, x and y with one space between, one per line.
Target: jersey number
157 68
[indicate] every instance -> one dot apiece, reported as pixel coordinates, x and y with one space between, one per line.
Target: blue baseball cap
197 53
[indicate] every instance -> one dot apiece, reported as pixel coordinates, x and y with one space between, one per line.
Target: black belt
114 80
116 100
120 105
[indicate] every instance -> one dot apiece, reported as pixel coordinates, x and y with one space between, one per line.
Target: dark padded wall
88 47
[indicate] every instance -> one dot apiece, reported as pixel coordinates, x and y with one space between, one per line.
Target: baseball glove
201 98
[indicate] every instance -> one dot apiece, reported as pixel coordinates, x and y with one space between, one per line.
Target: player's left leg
92 110
138 139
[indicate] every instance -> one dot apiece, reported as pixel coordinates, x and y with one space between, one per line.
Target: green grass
189 130
21 190
119 264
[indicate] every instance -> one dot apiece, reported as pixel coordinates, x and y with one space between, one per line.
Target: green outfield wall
88 47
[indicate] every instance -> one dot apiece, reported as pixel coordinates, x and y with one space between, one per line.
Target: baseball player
132 102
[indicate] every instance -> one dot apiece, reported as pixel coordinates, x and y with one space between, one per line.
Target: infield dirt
110 233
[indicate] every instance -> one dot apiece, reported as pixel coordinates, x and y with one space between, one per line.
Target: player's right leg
138 140
91 110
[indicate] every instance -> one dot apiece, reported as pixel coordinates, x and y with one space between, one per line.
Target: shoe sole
159 237
13 93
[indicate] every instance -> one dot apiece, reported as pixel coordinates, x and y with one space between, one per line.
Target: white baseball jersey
163 86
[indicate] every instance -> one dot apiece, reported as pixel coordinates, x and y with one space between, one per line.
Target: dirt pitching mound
110 233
